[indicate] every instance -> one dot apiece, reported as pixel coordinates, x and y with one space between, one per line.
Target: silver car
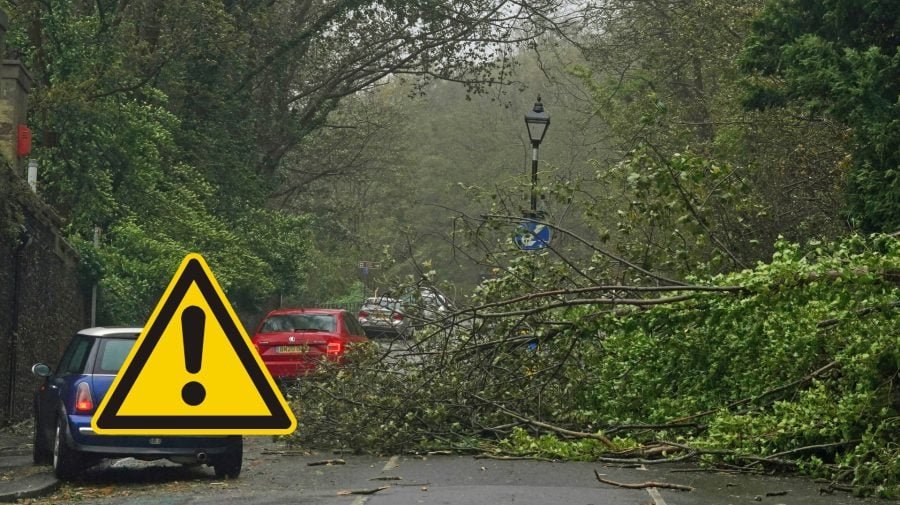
383 317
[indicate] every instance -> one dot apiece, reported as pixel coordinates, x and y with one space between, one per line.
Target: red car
292 342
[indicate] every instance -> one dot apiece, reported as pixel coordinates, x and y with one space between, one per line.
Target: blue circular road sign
532 235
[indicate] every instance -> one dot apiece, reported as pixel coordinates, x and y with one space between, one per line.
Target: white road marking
657 498
392 463
360 500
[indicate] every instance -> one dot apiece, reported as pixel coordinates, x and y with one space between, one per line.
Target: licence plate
290 349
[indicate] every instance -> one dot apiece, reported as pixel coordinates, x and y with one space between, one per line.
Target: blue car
66 401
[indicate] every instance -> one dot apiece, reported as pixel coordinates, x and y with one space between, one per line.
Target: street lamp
537 122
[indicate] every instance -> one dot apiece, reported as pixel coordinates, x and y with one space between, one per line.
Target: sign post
364 267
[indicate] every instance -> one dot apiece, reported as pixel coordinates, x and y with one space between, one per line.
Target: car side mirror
41 370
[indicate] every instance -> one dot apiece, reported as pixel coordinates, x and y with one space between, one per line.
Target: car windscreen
299 322
111 354
393 306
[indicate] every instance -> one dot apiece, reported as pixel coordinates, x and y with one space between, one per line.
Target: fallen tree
792 365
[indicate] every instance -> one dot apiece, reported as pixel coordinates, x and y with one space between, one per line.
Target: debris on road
327 462
643 485
348 492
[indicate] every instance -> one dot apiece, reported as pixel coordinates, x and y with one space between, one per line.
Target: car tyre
67 462
41 452
228 464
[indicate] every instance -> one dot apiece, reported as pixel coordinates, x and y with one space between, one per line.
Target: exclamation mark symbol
193 320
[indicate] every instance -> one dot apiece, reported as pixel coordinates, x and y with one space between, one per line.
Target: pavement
19 476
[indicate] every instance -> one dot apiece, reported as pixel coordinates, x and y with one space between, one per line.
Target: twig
645 461
643 485
716 470
812 448
665 426
647 451
328 462
286 452
514 458
347 492
832 487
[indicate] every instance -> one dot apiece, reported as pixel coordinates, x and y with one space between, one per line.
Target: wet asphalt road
272 475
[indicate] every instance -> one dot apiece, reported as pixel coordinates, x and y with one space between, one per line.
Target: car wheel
228 465
41 451
66 461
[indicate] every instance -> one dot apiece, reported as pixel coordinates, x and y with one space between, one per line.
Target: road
273 475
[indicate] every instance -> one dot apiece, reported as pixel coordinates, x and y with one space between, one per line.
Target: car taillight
334 348
83 400
363 314
397 316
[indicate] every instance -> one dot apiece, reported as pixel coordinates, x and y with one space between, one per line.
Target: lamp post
537 122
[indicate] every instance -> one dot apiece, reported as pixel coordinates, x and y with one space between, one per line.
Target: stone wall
41 301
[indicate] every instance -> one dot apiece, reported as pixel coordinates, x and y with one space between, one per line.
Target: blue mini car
66 401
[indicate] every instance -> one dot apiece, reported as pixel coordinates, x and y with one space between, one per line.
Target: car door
57 389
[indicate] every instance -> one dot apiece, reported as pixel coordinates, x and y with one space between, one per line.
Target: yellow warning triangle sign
193 370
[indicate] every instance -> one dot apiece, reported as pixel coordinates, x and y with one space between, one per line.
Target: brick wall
41 301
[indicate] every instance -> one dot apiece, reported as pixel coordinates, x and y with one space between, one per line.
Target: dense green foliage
797 361
840 58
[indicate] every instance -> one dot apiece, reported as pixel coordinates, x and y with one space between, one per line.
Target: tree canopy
839 58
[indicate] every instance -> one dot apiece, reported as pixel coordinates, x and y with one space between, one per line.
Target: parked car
431 304
292 342
65 403
383 317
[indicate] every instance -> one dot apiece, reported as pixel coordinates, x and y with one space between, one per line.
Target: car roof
283 312
105 331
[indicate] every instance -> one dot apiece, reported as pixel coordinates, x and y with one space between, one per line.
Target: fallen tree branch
645 427
591 245
858 313
812 448
645 461
755 460
514 458
610 287
643 485
562 431
635 302
645 451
